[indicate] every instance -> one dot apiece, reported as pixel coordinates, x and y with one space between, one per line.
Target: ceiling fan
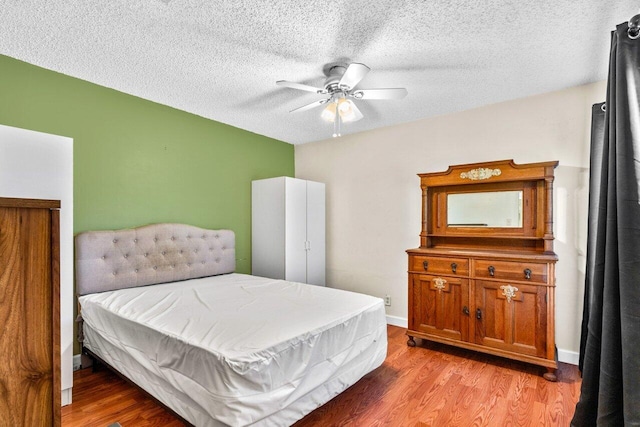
339 86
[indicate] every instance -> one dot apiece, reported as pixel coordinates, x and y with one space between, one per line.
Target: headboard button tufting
158 253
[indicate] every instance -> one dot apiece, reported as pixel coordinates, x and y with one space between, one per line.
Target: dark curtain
610 344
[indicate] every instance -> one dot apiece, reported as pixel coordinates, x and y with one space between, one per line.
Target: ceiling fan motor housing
335 73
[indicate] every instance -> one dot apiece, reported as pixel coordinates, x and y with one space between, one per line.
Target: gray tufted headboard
158 253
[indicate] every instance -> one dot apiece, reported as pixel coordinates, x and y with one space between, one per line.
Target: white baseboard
567 356
397 321
77 362
66 396
564 356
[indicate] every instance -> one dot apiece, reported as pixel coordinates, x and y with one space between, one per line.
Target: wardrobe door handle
425 264
454 267
465 310
492 270
479 314
527 273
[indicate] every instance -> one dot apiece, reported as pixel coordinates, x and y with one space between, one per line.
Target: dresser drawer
511 270
438 265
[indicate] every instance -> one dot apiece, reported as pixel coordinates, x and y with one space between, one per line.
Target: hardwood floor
429 385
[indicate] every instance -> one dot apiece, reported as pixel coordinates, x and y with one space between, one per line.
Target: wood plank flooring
429 385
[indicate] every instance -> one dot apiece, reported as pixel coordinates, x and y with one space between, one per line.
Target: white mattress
238 349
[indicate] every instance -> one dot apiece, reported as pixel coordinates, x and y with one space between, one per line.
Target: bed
162 305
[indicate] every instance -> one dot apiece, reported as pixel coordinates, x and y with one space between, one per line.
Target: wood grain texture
55 313
27 348
6 202
494 260
430 385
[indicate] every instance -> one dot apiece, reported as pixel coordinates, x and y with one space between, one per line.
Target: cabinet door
439 305
316 233
295 230
26 310
511 317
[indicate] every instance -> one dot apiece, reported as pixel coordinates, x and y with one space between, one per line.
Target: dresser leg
550 375
411 342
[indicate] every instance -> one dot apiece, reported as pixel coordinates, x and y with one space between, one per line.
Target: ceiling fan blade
310 106
355 72
391 93
300 86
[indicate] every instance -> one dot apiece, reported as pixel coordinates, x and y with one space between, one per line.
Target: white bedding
238 349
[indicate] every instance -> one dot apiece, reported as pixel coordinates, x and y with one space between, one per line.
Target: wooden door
29 377
510 317
440 305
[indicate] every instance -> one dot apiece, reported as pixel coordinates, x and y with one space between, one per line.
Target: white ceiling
221 59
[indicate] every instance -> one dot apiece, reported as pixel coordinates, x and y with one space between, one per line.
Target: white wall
373 193
37 165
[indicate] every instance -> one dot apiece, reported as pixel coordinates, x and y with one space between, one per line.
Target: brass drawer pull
527 273
425 264
454 267
509 292
492 270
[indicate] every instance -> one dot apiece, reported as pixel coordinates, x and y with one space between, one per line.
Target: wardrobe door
315 233
268 228
28 347
295 230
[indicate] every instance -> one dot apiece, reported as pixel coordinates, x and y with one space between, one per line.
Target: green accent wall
137 162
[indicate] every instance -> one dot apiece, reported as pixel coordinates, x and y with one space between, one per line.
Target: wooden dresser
29 313
483 277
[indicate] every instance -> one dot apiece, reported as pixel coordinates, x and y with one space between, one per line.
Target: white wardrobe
288 230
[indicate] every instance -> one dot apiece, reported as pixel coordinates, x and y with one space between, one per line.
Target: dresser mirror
485 209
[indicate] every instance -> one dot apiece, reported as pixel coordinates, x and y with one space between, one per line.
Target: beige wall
373 193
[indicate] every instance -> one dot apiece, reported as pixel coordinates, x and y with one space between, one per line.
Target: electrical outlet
387 300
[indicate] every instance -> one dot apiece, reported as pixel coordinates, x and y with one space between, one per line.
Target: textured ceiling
221 59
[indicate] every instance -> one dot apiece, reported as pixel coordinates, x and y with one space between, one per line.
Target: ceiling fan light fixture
340 85
329 112
346 110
